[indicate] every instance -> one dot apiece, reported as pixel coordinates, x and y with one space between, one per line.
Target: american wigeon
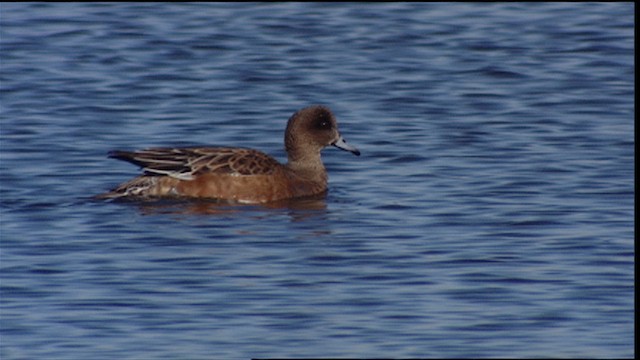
238 174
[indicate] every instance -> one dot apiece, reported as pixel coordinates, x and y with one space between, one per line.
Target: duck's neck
309 167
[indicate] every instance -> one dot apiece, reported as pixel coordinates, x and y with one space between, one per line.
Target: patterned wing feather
185 163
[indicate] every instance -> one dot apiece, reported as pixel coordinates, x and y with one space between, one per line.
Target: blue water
490 214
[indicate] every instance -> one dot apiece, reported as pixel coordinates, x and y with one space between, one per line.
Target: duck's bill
341 144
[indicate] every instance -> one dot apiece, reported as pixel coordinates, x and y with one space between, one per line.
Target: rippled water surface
490 214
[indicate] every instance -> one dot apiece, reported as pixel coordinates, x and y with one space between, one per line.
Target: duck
237 174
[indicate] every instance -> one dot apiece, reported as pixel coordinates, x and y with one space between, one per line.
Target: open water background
490 215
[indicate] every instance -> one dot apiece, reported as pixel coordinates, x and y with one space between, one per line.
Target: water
490 215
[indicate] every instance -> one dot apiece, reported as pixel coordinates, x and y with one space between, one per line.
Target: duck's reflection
299 208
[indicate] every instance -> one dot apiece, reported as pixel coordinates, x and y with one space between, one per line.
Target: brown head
310 130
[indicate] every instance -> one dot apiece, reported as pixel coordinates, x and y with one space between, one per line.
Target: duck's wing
186 163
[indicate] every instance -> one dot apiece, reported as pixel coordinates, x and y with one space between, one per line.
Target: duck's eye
323 124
